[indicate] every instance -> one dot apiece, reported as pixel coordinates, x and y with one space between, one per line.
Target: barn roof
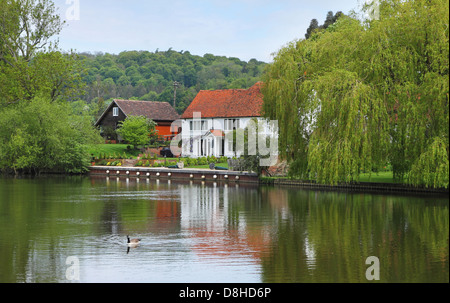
157 111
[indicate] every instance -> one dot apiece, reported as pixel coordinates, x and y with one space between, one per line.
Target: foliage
363 93
202 161
30 64
137 130
432 167
314 25
145 75
44 136
39 131
114 163
27 28
193 162
107 151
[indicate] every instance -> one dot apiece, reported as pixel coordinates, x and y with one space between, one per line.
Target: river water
73 229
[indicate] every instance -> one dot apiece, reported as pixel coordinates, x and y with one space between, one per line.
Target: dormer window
115 112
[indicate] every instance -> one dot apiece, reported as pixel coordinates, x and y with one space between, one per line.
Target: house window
115 111
198 125
231 124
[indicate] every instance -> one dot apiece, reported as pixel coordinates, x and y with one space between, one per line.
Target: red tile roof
227 103
217 133
157 111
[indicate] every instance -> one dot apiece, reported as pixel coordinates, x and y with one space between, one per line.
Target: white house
208 123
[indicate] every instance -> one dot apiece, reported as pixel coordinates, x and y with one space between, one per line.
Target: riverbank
361 186
245 177
174 174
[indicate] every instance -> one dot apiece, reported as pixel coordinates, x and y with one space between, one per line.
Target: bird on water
132 242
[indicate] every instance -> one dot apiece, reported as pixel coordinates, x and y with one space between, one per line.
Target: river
73 229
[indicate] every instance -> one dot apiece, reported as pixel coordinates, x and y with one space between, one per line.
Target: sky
245 29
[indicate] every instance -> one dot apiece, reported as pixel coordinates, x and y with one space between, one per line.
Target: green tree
329 20
41 135
363 93
38 130
137 130
27 27
312 26
29 62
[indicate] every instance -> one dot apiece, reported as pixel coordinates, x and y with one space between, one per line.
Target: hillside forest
150 76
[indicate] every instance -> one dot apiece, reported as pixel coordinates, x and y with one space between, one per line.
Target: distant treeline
144 75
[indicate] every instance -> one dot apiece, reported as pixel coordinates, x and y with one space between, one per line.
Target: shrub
116 163
102 162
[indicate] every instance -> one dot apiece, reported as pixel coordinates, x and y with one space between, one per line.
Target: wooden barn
160 112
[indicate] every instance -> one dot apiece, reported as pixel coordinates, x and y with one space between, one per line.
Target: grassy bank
111 149
380 177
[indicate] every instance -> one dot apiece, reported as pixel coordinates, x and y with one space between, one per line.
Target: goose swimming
133 242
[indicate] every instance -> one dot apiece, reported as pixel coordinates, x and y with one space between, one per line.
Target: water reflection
215 232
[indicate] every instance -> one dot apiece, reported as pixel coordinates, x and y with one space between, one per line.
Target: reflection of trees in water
329 235
33 228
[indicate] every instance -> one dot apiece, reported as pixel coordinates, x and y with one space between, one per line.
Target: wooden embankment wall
175 174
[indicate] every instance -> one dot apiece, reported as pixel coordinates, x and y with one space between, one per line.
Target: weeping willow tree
364 93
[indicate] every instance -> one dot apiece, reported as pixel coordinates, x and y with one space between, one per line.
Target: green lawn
380 177
110 149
